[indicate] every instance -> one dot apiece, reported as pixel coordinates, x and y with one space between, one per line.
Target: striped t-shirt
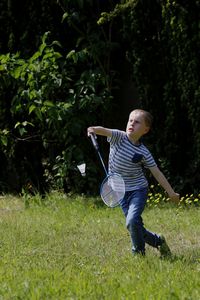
129 160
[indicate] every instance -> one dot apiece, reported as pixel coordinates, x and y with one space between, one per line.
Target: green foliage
53 96
181 31
35 81
51 109
162 41
49 98
88 39
118 10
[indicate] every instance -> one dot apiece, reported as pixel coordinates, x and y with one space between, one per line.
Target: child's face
136 126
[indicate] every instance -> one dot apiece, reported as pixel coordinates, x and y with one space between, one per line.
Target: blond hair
148 118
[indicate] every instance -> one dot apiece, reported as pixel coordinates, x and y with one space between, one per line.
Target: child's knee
133 223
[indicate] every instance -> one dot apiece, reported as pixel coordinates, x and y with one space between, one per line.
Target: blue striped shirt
129 160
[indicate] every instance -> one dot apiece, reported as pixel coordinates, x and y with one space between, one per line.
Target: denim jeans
133 205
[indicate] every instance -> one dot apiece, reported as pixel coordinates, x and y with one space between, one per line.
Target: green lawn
75 248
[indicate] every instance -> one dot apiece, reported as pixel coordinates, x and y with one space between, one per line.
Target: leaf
48 55
45 37
4 140
57 43
5 131
79 40
22 130
17 73
35 56
48 103
64 16
71 54
2 68
17 124
25 123
57 55
38 113
67 105
41 48
31 108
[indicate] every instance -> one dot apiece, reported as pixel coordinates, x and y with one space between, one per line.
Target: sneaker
164 248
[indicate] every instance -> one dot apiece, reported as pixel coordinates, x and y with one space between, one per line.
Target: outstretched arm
162 180
99 130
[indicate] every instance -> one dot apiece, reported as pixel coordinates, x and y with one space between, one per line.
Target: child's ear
146 130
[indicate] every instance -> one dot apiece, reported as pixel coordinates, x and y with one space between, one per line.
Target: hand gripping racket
112 189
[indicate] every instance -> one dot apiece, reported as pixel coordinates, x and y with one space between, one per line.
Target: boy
128 156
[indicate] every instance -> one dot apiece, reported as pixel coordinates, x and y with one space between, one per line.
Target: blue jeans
133 205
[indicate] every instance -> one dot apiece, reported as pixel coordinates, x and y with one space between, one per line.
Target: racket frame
115 202
96 146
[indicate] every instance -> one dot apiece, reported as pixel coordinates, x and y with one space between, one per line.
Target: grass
75 248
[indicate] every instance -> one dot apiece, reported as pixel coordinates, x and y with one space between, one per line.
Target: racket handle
94 141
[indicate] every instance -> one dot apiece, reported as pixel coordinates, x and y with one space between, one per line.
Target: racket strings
112 190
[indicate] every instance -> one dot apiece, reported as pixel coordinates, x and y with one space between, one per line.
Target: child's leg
136 201
152 238
133 205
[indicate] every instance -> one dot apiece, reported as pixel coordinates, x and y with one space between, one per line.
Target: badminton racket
112 189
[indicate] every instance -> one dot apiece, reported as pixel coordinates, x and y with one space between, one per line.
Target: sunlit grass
156 196
65 247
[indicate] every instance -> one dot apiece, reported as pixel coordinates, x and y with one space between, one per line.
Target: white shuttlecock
81 168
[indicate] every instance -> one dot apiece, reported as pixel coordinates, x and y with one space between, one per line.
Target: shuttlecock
81 168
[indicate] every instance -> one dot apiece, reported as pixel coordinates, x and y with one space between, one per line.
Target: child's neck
134 140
